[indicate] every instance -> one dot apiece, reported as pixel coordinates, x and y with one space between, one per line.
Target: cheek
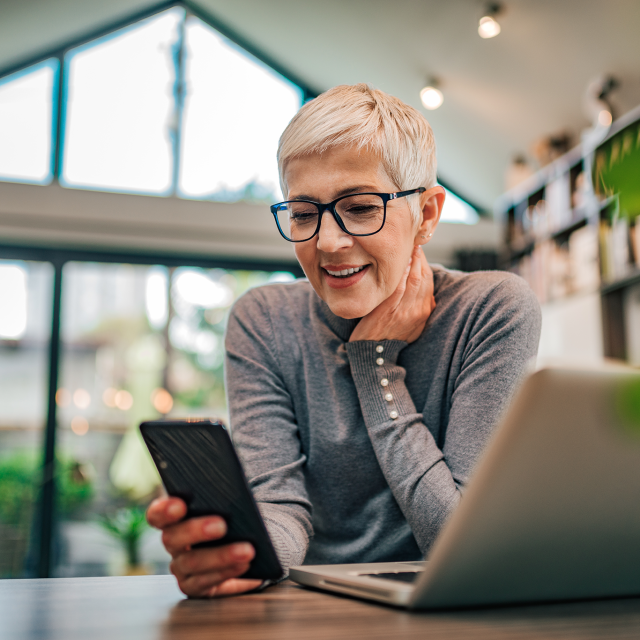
392 259
306 256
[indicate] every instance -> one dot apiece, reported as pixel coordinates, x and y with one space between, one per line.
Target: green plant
127 525
74 485
20 481
18 487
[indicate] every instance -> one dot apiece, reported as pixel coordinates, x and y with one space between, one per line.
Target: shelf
550 260
514 254
628 281
528 245
568 229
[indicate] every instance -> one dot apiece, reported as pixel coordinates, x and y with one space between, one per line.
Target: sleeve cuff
379 380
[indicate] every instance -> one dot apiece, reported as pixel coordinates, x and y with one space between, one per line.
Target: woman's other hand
205 572
403 315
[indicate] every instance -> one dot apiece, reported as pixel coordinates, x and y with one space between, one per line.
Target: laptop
552 511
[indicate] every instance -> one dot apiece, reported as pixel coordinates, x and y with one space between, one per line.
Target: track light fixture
488 27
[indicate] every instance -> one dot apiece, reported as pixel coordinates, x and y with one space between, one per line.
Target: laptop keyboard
400 576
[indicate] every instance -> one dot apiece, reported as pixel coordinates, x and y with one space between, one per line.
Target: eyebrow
342 192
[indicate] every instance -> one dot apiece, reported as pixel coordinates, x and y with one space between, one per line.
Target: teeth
345 272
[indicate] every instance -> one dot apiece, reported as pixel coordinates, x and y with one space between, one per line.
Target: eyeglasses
359 214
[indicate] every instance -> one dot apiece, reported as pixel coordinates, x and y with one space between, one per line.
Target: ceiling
500 94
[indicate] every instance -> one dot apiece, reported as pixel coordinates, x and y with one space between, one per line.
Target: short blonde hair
366 118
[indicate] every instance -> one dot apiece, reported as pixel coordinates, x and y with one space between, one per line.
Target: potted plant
128 526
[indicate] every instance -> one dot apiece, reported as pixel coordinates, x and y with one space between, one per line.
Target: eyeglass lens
361 214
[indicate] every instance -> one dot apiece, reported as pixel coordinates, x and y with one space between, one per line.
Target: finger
428 273
181 536
415 278
389 305
396 297
166 511
424 261
204 585
212 560
233 586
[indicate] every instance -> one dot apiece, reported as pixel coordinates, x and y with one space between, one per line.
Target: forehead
334 170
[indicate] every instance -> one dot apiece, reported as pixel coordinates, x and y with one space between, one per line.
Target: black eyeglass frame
331 206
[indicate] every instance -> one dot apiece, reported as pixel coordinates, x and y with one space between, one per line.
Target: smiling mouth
345 273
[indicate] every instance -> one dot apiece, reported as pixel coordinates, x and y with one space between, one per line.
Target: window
458 211
26 124
138 342
234 113
26 292
120 110
124 114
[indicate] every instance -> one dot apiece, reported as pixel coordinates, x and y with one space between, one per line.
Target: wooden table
152 607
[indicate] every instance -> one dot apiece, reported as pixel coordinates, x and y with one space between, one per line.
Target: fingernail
242 550
174 510
214 528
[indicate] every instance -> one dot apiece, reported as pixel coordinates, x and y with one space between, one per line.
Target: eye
362 208
302 212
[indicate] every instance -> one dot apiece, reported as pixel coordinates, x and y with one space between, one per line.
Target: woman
360 398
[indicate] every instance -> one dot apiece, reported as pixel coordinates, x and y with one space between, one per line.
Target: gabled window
169 105
166 105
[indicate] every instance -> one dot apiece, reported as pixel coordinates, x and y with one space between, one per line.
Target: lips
347 280
341 273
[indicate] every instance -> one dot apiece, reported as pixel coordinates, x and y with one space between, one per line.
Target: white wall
55 216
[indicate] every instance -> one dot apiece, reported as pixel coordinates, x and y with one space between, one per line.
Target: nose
331 237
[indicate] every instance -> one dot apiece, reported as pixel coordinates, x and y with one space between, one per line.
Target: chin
349 311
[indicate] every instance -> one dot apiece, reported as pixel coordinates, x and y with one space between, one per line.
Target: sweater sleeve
426 480
264 429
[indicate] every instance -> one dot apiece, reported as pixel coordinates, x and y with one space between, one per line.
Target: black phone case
198 463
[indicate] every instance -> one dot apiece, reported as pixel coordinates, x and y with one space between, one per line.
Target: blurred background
137 163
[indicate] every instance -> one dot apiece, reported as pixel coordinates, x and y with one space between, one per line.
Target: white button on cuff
379 348
380 361
393 414
388 397
384 382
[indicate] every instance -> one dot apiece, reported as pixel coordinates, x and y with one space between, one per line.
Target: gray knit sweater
336 478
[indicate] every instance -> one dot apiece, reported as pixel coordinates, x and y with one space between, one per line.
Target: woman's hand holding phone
204 572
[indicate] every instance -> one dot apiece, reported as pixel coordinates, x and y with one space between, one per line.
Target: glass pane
458 211
26 123
120 108
139 342
25 319
235 110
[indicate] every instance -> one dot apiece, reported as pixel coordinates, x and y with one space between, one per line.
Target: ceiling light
431 97
488 26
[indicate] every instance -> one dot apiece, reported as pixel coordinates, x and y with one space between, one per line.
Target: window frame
44 510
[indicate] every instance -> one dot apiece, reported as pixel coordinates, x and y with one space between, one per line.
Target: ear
431 203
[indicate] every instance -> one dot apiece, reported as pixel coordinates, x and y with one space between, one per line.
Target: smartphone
198 463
